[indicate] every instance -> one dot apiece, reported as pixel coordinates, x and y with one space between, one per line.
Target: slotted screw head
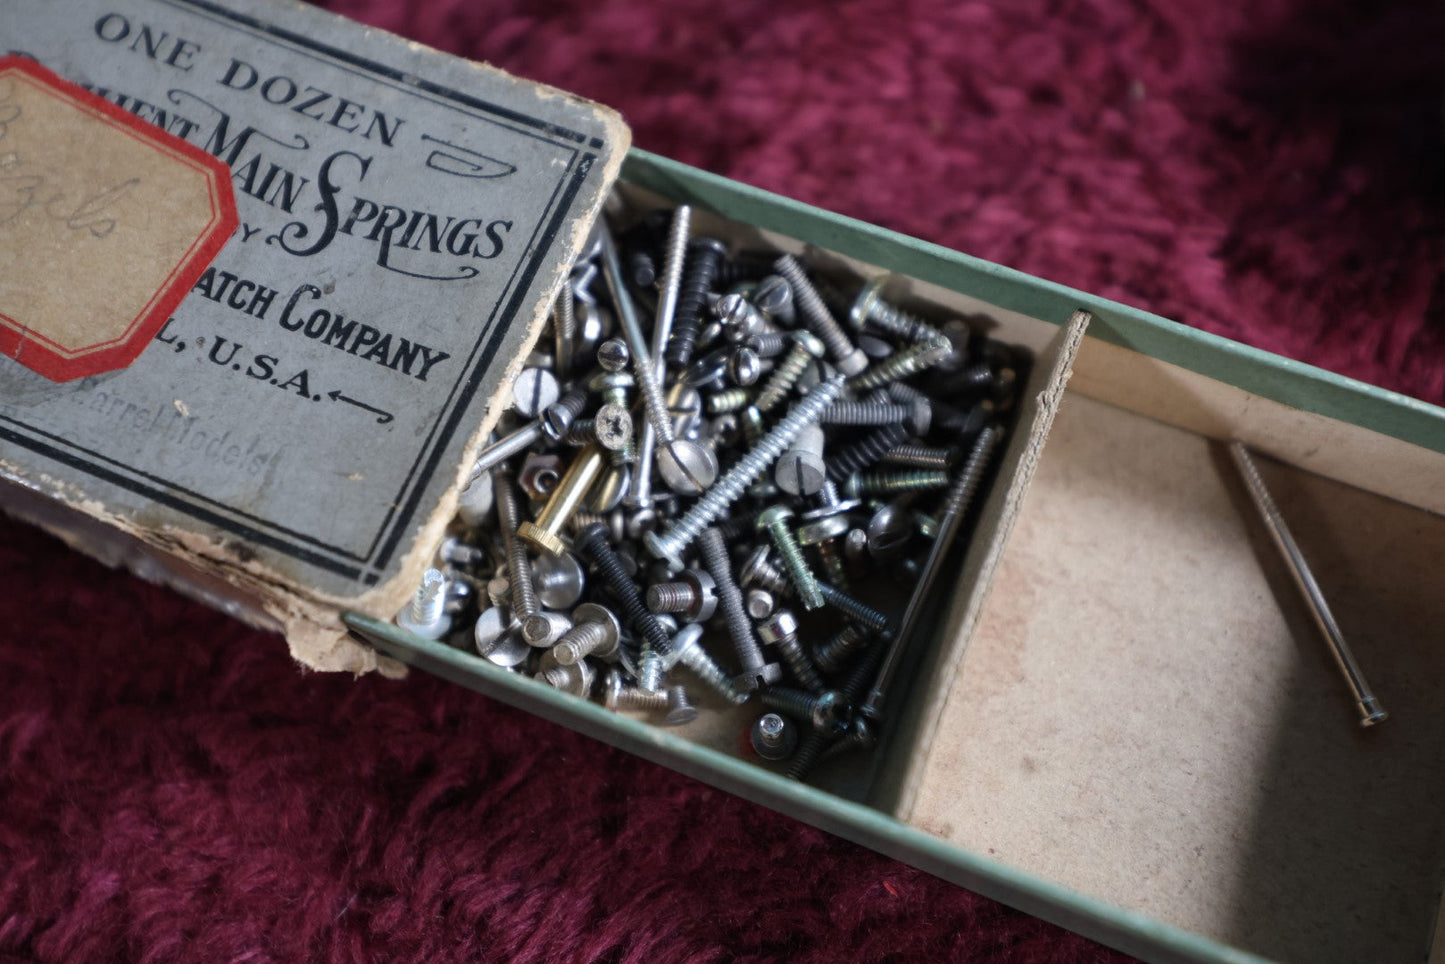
533 390
613 355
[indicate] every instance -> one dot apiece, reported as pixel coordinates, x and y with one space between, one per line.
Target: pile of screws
745 487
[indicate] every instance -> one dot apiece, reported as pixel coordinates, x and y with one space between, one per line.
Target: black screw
705 258
864 452
592 543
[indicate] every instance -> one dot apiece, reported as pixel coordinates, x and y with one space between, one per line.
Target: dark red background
174 788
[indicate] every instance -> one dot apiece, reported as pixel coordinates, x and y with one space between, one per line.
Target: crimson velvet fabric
173 788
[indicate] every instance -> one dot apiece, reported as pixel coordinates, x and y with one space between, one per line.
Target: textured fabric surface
172 788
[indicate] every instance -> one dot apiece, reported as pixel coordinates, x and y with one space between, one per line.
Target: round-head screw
845 354
870 307
533 390
689 652
595 632
612 427
613 355
774 521
559 416
773 737
774 297
744 366
760 603
781 631
559 580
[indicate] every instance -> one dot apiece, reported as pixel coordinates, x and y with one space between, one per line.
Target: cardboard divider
1145 712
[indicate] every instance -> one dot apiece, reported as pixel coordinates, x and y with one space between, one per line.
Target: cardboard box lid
300 425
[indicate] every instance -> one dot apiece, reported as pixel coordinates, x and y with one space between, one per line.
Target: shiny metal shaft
1371 712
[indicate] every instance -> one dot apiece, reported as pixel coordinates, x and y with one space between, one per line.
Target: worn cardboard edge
310 619
957 626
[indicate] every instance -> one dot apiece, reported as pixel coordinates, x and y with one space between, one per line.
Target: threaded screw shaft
910 361
864 452
871 308
731 485
806 347
730 400
845 354
775 522
705 258
592 543
922 456
771 344
852 608
865 413
861 484
831 655
798 663
714 552
691 654
519 567
818 709
671 597
580 641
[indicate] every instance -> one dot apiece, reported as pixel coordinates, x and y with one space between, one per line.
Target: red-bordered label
105 224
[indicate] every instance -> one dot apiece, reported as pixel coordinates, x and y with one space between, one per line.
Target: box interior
1145 711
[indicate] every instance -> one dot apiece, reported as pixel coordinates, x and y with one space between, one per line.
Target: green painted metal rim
1262 373
1131 932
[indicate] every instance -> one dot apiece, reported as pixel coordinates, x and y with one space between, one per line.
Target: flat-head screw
495 640
593 546
680 710
705 256
821 710
669 545
595 632
693 596
426 614
870 307
618 696
713 548
781 632
774 521
807 347
773 737
559 416
845 354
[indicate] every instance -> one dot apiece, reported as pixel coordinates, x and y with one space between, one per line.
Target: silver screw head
687 467
822 530
613 355
534 390
744 366
863 304
543 629
559 580
773 515
759 603
780 625
613 426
